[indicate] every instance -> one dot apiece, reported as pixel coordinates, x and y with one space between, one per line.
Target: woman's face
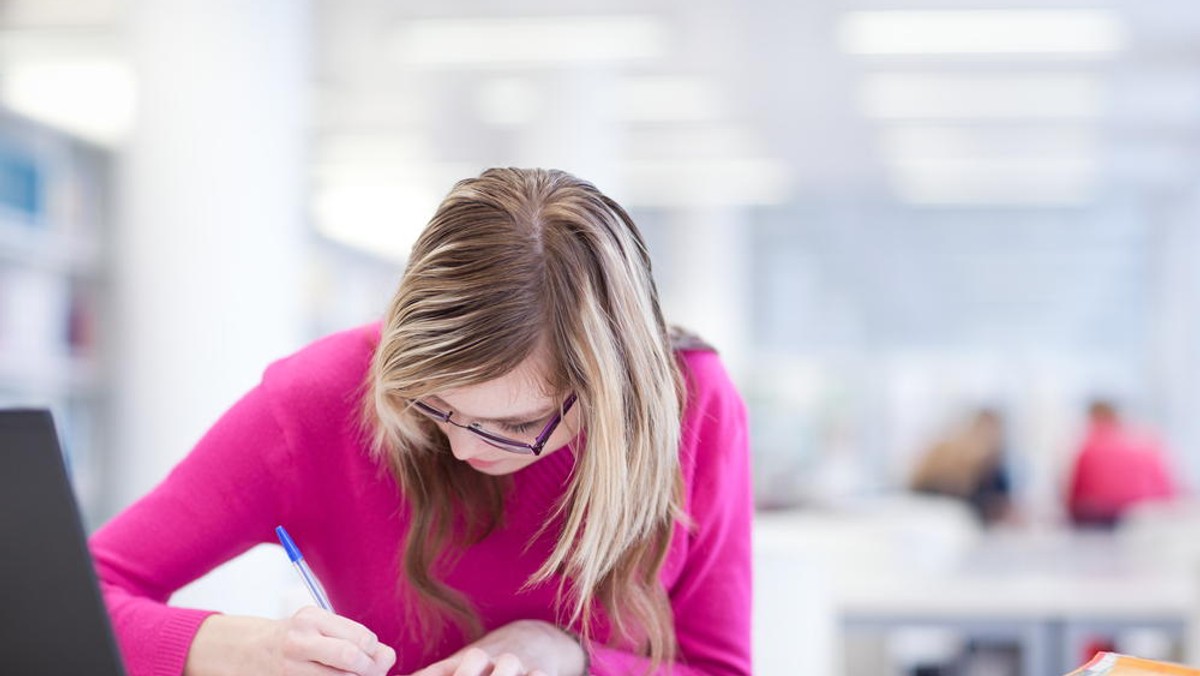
514 405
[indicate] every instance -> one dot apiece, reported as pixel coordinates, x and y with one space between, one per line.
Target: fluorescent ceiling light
667 98
515 101
63 13
931 96
357 147
529 40
925 191
381 220
1030 182
94 99
728 182
692 141
377 207
1003 170
922 142
508 102
1002 31
440 176
351 107
54 41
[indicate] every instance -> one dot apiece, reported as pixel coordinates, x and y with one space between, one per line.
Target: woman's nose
463 444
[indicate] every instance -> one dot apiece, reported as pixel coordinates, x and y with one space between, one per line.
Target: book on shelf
21 189
54 206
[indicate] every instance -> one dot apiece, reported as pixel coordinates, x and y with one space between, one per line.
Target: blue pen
306 573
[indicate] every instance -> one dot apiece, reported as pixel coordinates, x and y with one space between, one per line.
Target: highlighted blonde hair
512 261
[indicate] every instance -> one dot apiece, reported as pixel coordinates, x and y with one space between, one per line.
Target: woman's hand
311 642
522 648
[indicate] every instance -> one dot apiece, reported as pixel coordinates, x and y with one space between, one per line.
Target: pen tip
290 547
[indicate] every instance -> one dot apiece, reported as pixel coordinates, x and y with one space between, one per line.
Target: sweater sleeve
711 597
217 503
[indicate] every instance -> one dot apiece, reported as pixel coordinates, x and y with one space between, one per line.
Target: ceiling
803 98
775 99
1003 162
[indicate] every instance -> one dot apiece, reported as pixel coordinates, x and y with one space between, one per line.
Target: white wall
209 242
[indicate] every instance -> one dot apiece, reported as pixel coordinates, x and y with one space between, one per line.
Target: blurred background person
1115 468
969 464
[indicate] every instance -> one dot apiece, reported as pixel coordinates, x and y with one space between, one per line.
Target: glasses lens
511 446
499 440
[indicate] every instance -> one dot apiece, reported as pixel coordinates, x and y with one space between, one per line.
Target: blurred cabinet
54 216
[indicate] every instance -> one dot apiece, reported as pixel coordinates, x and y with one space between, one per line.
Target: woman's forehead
523 390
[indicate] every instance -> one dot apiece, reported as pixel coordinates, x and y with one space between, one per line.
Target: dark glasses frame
501 442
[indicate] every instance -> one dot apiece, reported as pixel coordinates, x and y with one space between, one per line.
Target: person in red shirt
1115 468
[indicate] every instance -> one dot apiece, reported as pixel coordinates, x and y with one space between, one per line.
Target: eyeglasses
497 440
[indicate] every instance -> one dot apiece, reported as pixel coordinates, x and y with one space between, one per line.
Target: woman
969 464
515 473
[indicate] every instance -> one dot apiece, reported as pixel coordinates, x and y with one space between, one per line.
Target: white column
210 235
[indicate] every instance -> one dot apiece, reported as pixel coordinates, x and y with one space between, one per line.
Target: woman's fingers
337 643
476 662
336 653
473 662
384 658
508 665
336 626
446 667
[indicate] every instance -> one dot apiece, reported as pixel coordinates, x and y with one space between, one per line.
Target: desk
1049 591
1051 615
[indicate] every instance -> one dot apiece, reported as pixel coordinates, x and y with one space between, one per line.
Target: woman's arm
226 496
217 503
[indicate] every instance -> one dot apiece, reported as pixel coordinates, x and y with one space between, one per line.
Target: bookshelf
54 213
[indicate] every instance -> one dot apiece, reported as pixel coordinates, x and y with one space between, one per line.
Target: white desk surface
882 564
907 563
1065 575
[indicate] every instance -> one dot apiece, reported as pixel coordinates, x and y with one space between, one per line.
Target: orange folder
1112 664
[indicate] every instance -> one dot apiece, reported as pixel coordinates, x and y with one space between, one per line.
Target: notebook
52 618
1114 664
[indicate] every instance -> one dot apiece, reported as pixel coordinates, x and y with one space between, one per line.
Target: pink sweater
1115 469
289 453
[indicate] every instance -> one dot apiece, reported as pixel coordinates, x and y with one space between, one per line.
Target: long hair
512 261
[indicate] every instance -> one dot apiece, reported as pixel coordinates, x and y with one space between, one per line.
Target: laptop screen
52 618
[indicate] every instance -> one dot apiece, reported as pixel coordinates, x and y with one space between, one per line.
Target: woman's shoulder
683 341
714 412
714 436
701 364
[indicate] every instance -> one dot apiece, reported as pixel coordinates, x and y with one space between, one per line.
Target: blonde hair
512 261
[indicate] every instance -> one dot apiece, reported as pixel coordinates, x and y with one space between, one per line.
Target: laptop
52 617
